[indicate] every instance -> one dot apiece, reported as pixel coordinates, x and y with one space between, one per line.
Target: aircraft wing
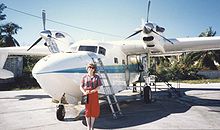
38 50
5 51
192 44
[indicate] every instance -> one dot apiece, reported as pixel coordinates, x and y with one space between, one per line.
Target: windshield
88 48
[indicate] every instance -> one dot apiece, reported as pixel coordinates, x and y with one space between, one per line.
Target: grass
199 81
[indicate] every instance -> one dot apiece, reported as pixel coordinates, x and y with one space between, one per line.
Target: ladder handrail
167 83
111 103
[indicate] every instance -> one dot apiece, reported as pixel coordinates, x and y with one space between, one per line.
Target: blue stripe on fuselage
108 69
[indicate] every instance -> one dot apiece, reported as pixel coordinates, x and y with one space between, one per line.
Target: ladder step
108 95
117 112
109 92
113 103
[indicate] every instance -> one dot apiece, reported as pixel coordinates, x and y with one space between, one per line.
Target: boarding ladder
109 92
172 90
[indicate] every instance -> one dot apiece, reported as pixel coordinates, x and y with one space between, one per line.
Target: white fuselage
61 73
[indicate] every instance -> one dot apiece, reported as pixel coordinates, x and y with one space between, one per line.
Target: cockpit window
102 50
88 48
59 35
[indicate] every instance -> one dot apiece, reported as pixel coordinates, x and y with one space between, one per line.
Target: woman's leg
92 122
88 122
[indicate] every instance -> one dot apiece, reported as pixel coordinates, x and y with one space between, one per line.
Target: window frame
101 50
84 48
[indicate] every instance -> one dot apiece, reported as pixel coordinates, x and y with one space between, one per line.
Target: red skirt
93 108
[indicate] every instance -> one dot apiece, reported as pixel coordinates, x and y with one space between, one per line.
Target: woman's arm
82 90
95 90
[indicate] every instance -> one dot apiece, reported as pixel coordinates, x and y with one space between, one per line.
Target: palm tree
205 59
8 30
2 16
209 33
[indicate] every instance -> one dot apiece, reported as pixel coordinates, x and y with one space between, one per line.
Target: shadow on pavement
29 97
196 101
138 113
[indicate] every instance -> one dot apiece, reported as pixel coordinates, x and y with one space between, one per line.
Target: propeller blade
38 40
162 36
148 10
134 34
44 18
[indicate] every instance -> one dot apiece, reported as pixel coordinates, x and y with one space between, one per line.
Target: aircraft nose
62 63
40 66
61 73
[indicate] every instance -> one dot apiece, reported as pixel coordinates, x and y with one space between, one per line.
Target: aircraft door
127 73
133 68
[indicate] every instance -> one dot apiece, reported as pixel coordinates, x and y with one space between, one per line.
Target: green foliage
187 65
208 33
2 16
7 30
178 68
206 60
29 62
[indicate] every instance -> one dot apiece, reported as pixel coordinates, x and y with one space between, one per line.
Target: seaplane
60 71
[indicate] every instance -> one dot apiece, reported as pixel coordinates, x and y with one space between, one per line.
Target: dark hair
91 65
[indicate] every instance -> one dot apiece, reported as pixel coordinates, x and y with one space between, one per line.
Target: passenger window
102 50
123 62
116 60
88 48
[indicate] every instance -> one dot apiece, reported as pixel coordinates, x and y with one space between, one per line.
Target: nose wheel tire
147 94
60 112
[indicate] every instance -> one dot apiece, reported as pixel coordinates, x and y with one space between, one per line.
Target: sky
180 18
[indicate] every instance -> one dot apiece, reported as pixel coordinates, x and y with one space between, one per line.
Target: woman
90 84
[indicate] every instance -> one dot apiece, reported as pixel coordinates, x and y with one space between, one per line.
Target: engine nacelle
5 74
153 42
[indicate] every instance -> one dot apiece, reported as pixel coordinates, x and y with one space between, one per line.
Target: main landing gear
147 94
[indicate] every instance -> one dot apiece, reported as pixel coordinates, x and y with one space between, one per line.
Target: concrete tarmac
197 108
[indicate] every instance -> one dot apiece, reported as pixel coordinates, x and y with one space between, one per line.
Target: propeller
149 27
134 34
35 43
47 32
44 18
148 10
143 24
162 36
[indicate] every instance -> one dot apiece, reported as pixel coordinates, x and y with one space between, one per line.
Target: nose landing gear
60 112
